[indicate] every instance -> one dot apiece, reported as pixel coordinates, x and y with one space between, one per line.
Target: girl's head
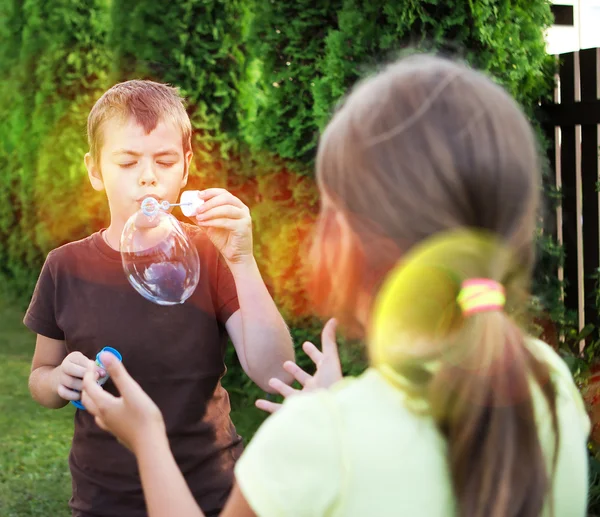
425 146
432 166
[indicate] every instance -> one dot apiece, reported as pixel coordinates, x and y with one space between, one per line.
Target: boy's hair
148 102
429 146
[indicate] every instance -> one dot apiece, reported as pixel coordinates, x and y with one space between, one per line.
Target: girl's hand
133 417
329 369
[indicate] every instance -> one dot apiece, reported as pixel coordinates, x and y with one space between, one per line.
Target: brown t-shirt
176 353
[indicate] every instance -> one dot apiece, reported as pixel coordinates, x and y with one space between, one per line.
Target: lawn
34 441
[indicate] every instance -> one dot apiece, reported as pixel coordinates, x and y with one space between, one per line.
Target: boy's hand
227 223
329 369
69 375
133 417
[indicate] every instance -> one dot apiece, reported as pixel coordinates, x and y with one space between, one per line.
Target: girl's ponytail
469 361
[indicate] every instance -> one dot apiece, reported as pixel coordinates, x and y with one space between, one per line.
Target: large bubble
159 260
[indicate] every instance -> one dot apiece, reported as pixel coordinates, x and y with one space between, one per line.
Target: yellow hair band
481 295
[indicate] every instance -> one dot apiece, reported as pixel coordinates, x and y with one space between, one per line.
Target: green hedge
305 58
195 45
53 58
261 78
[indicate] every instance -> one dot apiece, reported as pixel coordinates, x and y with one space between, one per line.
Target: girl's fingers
100 423
268 406
282 387
299 374
328 338
89 404
313 352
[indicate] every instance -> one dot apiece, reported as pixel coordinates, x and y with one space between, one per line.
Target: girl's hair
424 148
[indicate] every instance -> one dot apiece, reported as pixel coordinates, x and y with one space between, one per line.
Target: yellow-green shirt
356 450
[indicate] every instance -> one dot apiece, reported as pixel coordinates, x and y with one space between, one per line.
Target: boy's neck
112 236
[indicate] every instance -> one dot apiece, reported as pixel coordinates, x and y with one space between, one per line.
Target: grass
35 442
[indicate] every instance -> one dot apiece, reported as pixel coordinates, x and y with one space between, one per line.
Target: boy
140 145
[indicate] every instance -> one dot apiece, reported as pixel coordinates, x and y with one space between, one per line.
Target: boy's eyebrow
167 152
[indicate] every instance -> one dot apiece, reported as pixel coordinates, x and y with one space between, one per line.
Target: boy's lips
154 196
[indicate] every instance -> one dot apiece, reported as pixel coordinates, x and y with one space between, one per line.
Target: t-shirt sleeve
41 314
227 299
563 372
562 375
293 464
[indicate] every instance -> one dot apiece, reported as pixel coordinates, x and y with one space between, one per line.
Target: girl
429 168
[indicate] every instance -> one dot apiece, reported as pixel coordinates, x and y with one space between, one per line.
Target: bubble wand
189 203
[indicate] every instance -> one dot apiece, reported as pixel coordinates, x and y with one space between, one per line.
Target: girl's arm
138 424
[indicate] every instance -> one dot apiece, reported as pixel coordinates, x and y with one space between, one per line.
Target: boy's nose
148 178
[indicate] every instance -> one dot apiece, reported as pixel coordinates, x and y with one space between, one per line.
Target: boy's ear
94 173
188 160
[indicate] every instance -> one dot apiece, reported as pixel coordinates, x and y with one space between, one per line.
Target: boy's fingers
224 198
74 370
313 352
282 387
299 374
328 337
209 193
79 359
227 211
72 383
67 394
225 224
266 405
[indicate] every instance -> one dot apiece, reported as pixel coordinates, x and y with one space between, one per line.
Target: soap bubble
159 260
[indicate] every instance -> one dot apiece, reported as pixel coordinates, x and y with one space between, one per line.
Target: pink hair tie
481 295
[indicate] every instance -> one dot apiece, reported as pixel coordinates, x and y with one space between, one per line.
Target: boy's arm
258 331
56 378
43 380
260 336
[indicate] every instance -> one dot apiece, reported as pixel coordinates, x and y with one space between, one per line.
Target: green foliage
261 78
192 44
305 58
286 40
61 58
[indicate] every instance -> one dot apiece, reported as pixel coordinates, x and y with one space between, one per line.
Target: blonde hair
424 148
148 102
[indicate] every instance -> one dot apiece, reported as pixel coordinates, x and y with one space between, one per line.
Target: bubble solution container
101 380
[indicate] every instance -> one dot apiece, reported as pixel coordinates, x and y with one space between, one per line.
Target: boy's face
134 165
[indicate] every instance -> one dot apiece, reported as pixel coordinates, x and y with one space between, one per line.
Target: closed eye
166 164
127 165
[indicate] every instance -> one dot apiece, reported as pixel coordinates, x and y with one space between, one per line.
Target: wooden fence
571 123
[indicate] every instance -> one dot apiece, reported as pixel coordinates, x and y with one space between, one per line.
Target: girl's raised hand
327 361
